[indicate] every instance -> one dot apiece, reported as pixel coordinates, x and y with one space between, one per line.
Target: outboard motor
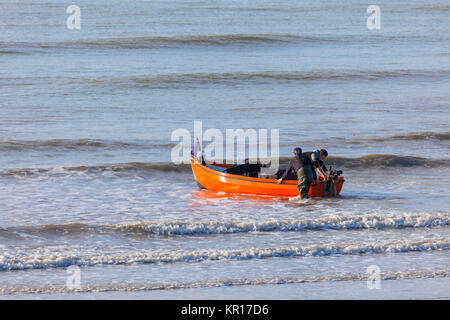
333 178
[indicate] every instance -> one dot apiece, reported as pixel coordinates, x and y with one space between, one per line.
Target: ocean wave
219 283
53 229
441 136
204 40
410 136
10 263
195 80
172 228
195 40
177 41
157 42
11 52
333 223
123 168
434 7
395 140
76 145
188 80
365 162
89 144
387 161
382 161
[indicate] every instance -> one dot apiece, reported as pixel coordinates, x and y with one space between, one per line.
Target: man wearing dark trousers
303 167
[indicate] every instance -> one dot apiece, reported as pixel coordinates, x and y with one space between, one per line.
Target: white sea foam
8 263
168 228
333 223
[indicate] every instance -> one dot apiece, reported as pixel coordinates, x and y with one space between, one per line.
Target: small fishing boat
248 179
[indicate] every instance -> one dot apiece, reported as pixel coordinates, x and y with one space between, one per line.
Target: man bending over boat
317 158
305 172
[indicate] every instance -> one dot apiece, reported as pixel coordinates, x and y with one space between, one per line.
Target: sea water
92 206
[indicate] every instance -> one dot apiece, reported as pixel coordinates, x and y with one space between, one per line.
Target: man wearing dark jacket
305 172
317 158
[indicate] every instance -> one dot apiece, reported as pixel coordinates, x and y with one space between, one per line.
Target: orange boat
216 178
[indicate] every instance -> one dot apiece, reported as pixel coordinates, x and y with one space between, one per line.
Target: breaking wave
8 263
219 283
334 223
205 228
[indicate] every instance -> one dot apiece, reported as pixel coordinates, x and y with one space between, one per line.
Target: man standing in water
305 172
317 158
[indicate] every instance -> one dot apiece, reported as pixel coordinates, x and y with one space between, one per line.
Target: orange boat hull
219 181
